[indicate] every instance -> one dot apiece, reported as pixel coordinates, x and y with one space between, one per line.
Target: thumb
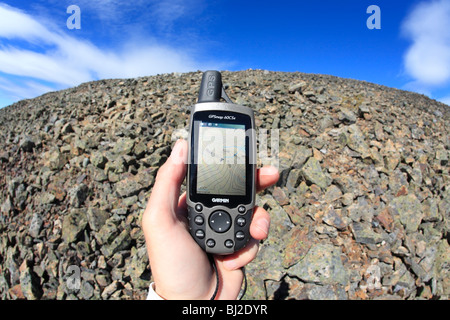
170 176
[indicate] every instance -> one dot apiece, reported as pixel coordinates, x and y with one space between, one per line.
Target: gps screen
221 159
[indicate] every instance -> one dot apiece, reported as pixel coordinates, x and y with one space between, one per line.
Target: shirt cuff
152 295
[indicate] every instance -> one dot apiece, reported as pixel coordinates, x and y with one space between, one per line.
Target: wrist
206 292
152 294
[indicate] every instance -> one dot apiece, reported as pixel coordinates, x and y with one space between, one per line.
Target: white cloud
427 60
16 24
63 61
162 13
168 11
25 90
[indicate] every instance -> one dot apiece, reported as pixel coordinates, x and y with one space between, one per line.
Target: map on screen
221 159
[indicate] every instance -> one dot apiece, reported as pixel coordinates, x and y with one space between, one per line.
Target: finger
259 227
182 202
169 178
259 230
266 176
182 207
242 257
230 281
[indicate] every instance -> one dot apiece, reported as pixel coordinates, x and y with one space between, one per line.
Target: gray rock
47 198
110 289
442 156
325 123
299 86
268 265
321 265
333 193
280 222
312 171
27 144
7 206
441 269
364 234
96 218
430 210
13 185
356 141
347 115
128 187
55 160
4 156
293 180
98 159
30 284
407 209
121 242
335 219
73 225
21 196
67 128
107 233
302 154
86 290
78 146
137 266
139 149
180 134
35 225
326 292
78 195
123 146
116 165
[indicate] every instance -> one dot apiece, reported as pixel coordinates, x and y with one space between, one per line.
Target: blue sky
119 39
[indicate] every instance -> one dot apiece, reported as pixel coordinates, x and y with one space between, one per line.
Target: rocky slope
361 210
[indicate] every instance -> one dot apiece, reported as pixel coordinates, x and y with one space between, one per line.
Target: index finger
266 177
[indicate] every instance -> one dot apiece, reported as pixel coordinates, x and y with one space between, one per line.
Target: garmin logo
214 116
221 200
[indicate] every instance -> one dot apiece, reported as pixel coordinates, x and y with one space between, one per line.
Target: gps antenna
211 88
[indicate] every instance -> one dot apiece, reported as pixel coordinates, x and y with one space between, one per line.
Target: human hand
180 268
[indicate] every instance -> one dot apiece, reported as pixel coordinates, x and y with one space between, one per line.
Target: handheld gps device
221 170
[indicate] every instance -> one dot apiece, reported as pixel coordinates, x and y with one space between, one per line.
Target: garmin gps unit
221 171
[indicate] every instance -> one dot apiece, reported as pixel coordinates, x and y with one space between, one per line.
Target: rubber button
220 221
198 207
229 243
241 209
200 234
210 243
240 235
199 220
240 221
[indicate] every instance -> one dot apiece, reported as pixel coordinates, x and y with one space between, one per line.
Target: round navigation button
220 221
